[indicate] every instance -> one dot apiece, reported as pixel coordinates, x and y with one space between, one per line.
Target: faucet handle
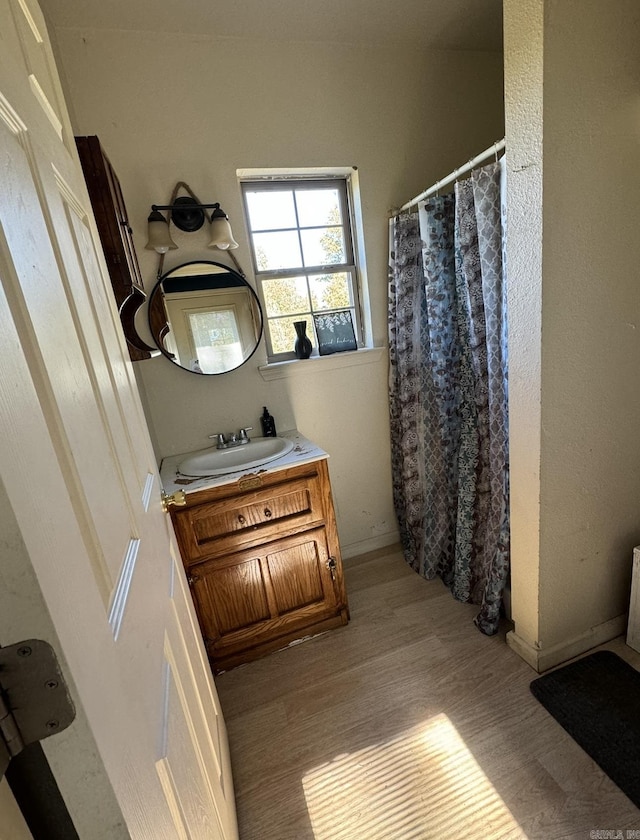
219 439
242 434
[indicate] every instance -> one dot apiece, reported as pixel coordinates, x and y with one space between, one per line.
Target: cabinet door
116 239
260 599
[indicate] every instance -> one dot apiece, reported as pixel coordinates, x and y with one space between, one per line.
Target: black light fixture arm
197 205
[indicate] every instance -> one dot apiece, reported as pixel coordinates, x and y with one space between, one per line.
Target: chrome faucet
243 437
225 441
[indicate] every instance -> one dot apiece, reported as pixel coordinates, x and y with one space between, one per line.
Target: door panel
296 574
199 707
77 463
39 65
66 385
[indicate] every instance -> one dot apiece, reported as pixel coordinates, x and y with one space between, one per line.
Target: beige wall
574 279
196 109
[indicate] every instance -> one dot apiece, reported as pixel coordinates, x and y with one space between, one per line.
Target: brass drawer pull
268 513
241 519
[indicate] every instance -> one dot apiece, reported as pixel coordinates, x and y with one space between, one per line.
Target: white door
80 476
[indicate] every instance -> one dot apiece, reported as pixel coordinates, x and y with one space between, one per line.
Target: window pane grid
289 289
329 268
299 227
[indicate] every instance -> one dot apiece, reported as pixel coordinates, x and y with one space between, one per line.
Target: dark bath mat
597 700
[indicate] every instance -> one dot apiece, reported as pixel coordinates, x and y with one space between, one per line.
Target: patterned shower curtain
448 391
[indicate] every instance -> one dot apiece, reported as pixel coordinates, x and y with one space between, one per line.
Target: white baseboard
633 630
371 544
543 659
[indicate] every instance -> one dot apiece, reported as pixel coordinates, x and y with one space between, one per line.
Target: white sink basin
214 461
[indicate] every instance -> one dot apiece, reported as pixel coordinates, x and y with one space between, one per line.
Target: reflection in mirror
205 317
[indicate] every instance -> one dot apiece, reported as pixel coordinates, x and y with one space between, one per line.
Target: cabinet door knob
268 513
331 565
191 579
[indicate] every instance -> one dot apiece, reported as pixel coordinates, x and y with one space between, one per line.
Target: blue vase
303 346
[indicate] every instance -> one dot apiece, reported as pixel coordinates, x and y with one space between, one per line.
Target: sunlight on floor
423 784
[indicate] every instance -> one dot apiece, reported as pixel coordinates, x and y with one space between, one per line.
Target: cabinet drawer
248 518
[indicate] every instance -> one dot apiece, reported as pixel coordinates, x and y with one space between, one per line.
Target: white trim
10 116
296 173
26 11
321 364
147 491
360 255
123 587
168 785
46 106
633 628
543 659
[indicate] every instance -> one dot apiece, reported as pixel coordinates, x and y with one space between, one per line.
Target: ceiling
434 24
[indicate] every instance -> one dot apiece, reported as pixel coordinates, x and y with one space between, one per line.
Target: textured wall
523 63
572 114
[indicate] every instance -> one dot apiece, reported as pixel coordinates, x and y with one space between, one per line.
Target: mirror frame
158 323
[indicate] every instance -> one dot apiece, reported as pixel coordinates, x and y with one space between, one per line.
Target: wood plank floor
407 724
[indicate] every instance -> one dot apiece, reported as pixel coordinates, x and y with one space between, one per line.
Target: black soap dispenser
268 424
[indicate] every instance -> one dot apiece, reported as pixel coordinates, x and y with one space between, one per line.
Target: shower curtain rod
467 167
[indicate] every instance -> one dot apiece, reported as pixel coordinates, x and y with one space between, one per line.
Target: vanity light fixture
188 214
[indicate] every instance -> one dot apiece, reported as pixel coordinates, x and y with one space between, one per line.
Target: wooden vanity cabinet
263 562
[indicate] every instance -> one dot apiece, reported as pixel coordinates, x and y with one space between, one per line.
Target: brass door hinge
34 699
177 499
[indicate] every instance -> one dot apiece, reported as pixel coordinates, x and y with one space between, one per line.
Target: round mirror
205 317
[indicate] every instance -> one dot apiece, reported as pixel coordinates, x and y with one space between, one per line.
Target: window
303 255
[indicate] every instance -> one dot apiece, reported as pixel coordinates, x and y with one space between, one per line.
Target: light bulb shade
221 234
159 238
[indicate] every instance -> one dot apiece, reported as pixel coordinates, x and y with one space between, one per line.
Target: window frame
300 181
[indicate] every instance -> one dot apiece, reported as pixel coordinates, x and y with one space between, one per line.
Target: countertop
303 452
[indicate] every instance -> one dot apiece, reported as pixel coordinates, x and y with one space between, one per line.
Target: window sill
302 367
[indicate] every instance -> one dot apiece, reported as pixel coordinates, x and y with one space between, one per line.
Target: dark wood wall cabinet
116 239
263 562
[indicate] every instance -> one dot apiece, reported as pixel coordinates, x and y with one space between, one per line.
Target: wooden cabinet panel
263 564
230 596
116 239
296 575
